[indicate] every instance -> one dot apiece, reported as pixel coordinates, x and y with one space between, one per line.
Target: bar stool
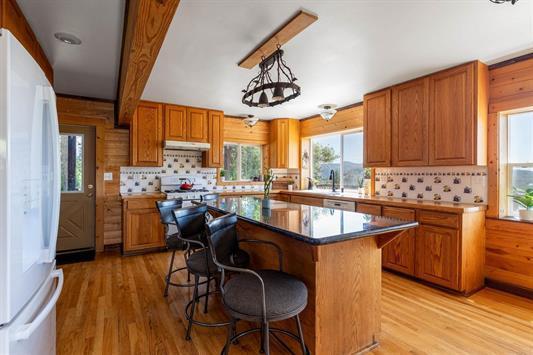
261 296
165 208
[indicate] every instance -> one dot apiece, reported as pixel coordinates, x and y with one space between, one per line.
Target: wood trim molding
147 23
288 31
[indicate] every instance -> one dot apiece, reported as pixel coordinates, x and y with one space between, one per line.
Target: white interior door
28 173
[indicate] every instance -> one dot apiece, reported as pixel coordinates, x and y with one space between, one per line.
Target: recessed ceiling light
67 38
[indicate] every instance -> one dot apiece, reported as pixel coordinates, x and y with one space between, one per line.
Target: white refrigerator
30 284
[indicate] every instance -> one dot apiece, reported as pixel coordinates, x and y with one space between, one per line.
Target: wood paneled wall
236 132
509 245
112 151
344 119
12 18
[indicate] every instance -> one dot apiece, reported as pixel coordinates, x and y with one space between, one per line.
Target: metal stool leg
207 292
169 273
194 297
262 348
301 334
231 334
267 338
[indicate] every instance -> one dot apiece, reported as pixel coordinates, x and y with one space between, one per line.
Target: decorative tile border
188 165
463 184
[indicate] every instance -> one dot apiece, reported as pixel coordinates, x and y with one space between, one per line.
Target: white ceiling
355 47
90 69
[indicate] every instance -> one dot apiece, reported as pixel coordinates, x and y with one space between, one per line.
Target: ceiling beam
147 23
288 31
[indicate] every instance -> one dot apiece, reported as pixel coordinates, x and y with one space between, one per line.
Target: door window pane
71 157
352 160
250 162
230 162
326 153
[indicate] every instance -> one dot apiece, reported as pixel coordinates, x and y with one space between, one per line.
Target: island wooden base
344 283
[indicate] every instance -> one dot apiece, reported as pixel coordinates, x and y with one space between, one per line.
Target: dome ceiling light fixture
328 111
67 38
504 1
262 86
250 121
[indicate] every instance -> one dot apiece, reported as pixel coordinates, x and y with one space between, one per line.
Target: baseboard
514 289
75 256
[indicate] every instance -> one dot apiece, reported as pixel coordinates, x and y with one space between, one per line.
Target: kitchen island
336 253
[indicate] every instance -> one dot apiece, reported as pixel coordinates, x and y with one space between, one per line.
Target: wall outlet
108 176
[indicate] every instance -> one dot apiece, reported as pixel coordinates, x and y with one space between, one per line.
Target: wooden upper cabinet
214 157
175 123
377 129
197 122
146 135
458 102
410 116
285 143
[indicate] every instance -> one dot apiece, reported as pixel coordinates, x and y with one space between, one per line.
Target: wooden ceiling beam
147 23
288 31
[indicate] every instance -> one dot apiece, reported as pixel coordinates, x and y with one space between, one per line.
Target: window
71 158
516 154
242 162
342 153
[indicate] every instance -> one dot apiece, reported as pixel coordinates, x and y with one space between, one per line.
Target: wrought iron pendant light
504 1
263 85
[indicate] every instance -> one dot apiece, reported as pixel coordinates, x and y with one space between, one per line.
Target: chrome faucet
332 178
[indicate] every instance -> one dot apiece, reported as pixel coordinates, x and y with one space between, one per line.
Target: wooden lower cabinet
304 200
437 255
399 254
368 209
142 229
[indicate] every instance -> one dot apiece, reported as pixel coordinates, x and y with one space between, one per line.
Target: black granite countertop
310 224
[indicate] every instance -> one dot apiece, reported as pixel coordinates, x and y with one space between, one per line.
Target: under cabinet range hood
179 145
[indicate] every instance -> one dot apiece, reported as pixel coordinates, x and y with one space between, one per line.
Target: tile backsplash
185 164
461 184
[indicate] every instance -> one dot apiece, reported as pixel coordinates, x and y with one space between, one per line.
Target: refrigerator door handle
26 330
49 253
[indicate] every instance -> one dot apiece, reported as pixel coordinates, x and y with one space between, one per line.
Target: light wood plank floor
114 305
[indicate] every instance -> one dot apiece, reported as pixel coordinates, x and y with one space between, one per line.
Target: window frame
239 160
505 168
341 168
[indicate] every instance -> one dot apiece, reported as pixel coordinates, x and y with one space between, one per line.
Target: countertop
396 202
138 195
310 224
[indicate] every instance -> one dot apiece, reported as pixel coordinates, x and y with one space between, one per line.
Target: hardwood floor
115 305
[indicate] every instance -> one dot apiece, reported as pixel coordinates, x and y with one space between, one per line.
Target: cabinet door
304 200
437 253
175 123
452 117
377 129
368 209
399 254
279 152
214 157
410 116
146 135
196 125
143 230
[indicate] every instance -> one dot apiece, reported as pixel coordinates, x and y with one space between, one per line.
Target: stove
171 186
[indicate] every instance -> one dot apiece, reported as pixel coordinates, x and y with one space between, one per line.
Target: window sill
515 219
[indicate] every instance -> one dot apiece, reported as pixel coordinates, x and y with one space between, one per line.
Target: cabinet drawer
399 213
368 209
281 197
141 204
312 201
439 219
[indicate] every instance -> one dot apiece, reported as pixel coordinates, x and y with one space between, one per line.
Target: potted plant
525 199
268 180
290 184
222 175
361 185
